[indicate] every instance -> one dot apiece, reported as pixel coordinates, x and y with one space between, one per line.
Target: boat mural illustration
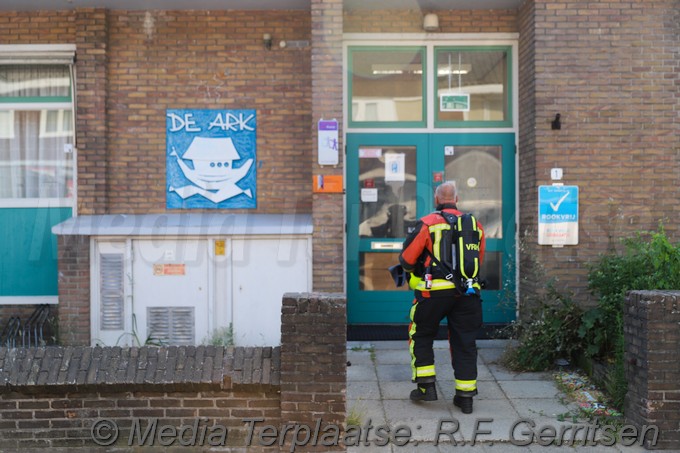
213 175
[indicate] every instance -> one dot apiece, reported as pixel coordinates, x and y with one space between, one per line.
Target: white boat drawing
213 174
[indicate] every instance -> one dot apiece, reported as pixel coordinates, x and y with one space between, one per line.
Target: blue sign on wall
210 159
558 215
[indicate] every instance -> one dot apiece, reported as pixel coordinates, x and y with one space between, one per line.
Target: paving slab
491 355
364 390
359 357
396 390
359 372
500 373
543 407
510 406
394 357
518 389
399 373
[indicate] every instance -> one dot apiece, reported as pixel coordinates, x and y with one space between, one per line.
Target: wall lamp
431 22
267 39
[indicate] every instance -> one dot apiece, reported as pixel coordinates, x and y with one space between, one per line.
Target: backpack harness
459 247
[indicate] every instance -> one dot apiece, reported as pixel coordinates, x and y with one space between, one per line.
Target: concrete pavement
508 404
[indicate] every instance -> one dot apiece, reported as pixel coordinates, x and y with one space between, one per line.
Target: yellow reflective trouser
464 318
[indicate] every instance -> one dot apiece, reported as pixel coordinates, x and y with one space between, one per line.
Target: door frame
429 148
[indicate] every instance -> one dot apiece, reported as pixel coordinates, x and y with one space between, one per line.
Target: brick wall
54 397
531 274
652 360
411 21
160 60
313 357
61 397
611 70
74 290
37 27
327 208
91 116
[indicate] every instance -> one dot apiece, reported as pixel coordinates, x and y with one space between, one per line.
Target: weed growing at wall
550 334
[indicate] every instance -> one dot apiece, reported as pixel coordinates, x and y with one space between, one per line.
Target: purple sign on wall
328 142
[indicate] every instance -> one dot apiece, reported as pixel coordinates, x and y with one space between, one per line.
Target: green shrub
649 262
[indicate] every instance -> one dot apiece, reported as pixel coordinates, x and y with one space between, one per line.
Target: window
387 85
36 133
472 87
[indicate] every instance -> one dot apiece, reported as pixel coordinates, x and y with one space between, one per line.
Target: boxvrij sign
558 215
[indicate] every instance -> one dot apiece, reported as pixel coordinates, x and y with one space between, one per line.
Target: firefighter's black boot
464 400
424 392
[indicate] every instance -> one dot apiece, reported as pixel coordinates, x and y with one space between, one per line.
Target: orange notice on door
169 269
327 184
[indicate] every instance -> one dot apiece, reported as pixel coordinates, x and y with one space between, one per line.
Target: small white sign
365 153
448 150
369 195
556 174
394 167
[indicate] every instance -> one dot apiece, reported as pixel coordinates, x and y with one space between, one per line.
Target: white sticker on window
369 195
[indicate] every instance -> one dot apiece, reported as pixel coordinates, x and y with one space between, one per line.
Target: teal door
391 180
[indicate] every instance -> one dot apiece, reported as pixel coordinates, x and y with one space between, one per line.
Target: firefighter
437 299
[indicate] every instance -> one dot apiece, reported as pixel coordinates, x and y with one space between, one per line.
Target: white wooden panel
170 273
263 270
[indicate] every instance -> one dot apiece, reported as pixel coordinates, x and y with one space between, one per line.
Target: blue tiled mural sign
210 159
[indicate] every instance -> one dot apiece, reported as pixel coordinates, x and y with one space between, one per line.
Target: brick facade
53 397
611 70
652 333
327 103
207 60
74 291
411 21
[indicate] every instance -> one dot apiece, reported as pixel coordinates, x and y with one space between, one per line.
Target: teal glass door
483 168
385 197
391 180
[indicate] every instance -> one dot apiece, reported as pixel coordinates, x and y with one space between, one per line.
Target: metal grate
172 326
111 272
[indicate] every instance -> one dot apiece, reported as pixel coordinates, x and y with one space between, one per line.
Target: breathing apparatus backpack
459 252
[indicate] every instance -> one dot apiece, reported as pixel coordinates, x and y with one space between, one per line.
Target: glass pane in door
387 188
477 172
373 272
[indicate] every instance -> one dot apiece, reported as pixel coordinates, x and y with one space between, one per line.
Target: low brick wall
217 398
652 345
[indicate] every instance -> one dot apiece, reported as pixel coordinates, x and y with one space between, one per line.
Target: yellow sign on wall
220 248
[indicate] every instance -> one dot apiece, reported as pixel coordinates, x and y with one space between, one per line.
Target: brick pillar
313 358
91 81
651 326
327 209
74 290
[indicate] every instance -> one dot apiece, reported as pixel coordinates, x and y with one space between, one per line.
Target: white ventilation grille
171 326
111 287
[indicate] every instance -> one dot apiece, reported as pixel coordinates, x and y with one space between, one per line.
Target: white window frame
23 54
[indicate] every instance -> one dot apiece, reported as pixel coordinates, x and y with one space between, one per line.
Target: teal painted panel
28 250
